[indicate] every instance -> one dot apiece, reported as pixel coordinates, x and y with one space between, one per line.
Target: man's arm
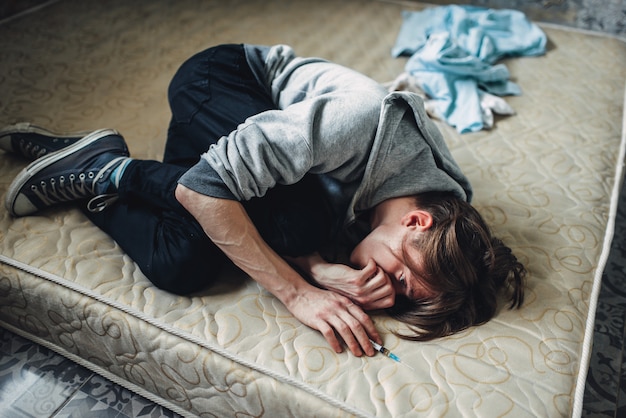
227 224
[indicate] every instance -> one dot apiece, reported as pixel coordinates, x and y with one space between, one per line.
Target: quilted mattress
546 179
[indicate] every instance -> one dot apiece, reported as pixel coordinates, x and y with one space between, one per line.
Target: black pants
210 95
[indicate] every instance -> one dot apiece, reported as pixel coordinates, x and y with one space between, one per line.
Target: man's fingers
370 269
330 336
339 320
358 330
381 298
366 323
347 332
365 330
377 293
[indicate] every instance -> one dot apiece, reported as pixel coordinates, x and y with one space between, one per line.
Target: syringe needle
389 354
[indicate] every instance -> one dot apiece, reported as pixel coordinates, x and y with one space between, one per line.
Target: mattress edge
587 345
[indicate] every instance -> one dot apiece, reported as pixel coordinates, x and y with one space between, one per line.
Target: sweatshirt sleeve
281 146
202 178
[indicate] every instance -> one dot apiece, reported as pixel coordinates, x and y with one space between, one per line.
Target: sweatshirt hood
409 156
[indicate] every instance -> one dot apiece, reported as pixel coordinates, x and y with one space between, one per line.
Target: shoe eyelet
90 175
81 176
33 187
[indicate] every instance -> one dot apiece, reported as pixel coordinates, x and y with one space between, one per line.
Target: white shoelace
76 187
28 148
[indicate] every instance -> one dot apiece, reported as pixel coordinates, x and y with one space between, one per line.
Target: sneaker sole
43 162
6 134
28 128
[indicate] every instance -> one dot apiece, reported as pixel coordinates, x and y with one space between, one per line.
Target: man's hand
369 287
227 224
337 318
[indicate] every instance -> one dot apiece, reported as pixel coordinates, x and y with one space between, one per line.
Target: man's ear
420 220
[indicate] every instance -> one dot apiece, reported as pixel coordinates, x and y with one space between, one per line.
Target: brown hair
466 268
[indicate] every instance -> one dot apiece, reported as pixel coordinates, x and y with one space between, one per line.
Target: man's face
386 246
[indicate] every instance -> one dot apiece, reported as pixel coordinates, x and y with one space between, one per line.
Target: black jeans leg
149 224
210 95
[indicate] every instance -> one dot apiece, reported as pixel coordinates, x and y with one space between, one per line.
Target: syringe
388 353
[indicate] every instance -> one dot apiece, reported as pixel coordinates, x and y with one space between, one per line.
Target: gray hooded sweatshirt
365 144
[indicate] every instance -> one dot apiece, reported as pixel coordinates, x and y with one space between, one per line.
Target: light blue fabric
453 51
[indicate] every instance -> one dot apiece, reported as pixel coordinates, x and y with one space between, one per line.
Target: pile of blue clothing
453 53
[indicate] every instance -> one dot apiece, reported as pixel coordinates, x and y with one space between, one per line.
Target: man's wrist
312 265
292 290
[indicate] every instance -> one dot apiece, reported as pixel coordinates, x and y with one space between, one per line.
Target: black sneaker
79 171
32 142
